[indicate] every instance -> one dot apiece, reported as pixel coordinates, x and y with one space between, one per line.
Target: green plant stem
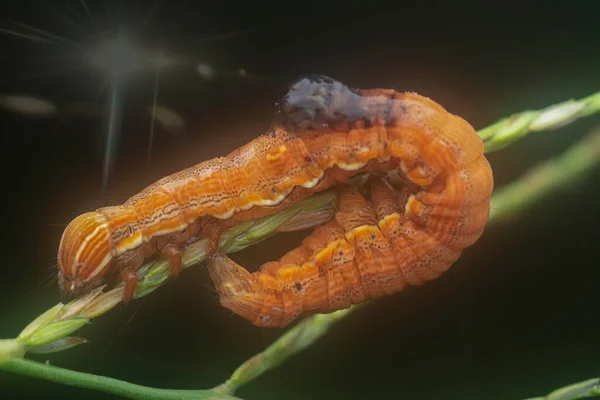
104 384
579 390
550 176
301 336
510 129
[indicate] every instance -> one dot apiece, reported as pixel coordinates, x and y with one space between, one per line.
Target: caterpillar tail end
230 279
239 290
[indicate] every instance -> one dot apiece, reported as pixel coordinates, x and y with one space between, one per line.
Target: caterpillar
324 133
372 248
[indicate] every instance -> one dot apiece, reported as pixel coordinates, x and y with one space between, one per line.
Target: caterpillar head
84 254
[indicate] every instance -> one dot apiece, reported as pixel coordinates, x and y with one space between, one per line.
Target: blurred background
516 317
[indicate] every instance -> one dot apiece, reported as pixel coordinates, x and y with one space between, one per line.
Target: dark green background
517 316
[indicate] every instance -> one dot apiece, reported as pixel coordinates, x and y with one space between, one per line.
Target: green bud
72 309
195 253
151 279
40 321
509 130
58 345
103 303
55 331
307 219
557 116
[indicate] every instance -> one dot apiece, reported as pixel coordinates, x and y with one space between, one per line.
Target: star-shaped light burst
116 58
119 59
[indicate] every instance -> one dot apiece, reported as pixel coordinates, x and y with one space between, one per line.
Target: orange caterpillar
325 133
371 249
